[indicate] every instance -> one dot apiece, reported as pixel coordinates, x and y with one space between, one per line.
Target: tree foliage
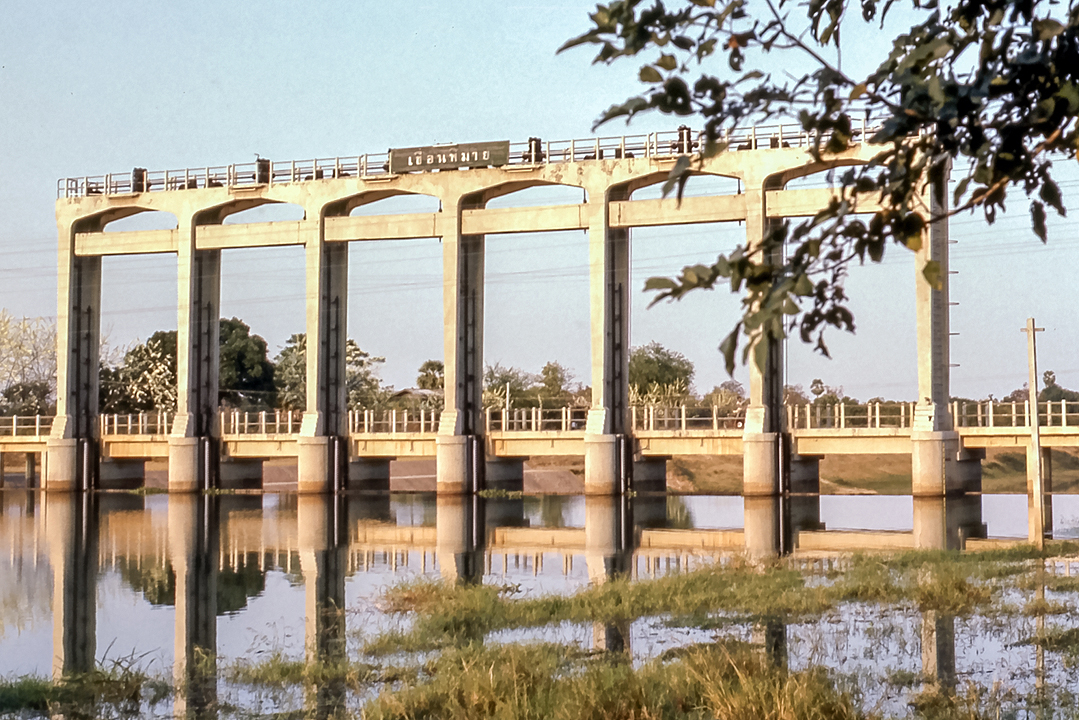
653 364
27 365
365 389
246 379
431 375
990 87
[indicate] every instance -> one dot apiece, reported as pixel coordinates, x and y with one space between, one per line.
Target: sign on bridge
450 157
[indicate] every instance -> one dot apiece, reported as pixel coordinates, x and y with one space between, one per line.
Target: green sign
450 157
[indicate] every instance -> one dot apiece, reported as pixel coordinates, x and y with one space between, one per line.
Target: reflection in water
71 527
938 649
460 537
323 540
946 523
194 539
609 541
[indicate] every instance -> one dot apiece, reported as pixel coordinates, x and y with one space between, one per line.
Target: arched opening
145 220
270 212
692 327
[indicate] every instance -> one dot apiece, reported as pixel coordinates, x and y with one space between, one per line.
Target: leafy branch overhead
984 89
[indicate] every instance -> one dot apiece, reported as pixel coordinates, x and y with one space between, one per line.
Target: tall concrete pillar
607 442
764 444
1046 457
460 537
194 538
459 445
323 543
72 447
71 526
322 464
194 441
934 441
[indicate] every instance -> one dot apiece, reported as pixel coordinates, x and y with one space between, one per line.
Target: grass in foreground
522 682
99 692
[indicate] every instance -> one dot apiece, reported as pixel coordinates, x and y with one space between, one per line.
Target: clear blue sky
89 88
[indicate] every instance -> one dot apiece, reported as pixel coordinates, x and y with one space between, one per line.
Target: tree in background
365 389
991 88
432 375
27 365
1052 392
555 382
247 375
653 365
147 378
520 384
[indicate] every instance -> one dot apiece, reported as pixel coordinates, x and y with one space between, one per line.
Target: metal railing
525 154
681 417
25 425
1055 413
266 422
563 419
152 423
393 421
844 415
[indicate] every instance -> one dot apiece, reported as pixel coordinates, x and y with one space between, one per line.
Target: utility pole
1038 529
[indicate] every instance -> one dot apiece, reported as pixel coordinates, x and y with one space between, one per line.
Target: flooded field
242 605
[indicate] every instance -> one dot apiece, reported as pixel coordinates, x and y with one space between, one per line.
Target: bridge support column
650 474
322 463
71 526
73 445
245 473
195 437
460 449
765 454
608 445
504 473
194 531
123 474
934 442
371 474
763 526
322 523
968 469
805 474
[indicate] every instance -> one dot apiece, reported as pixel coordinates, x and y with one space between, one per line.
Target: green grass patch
511 682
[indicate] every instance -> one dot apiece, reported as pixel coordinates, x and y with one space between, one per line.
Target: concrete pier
607 466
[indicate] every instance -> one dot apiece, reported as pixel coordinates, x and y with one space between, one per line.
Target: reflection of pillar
460 448
608 549
194 532
938 649
73 441
322 524
804 512
934 442
764 527
459 537
193 443
945 523
322 461
369 507
771 634
72 530
606 458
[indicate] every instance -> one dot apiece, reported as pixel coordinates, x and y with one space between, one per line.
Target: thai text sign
450 157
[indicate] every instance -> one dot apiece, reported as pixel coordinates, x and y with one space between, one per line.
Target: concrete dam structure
778 448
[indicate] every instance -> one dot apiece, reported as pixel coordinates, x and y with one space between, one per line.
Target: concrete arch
660 176
348 205
480 197
97 222
266 212
216 214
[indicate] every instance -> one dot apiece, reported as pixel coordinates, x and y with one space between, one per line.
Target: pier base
933 465
369 474
505 474
604 466
760 464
